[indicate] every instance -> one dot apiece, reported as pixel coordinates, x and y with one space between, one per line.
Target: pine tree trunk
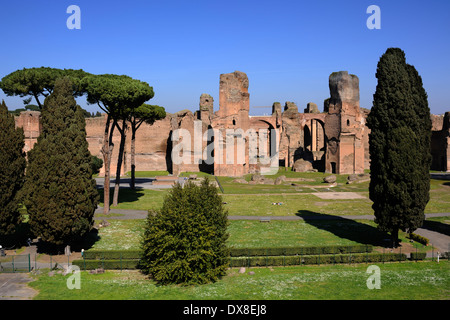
394 237
133 152
119 163
107 149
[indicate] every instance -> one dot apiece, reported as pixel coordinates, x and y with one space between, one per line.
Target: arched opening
207 165
333 167
315 143
307 139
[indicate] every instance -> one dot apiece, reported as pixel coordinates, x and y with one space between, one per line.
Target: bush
185 241
96 164
418 256
419 239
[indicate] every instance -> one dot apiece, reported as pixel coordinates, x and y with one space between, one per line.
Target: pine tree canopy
36 82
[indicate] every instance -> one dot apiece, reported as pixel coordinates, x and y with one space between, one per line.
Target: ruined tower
344 125
233 113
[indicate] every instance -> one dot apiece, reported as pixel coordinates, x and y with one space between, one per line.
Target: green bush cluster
293 251
419 239
418 255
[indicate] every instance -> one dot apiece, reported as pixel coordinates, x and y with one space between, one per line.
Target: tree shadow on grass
126 195
345 228
86 243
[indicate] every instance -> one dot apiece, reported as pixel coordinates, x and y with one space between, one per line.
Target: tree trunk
133 152
107 149
394 237
119 162
38 102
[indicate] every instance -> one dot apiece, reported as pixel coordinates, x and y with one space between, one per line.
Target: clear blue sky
287 48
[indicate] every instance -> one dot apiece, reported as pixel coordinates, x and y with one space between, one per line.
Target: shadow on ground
126 195
85 243
437 227
345 228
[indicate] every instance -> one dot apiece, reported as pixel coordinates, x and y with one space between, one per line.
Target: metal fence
15 263
29 262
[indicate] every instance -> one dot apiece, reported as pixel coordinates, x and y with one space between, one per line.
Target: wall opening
333 167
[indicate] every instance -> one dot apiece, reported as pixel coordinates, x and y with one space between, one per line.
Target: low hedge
260 261
112 254
419 239
418 255
294 251
316 259
129 264
239 252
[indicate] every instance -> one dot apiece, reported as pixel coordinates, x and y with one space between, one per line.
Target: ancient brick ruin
335 140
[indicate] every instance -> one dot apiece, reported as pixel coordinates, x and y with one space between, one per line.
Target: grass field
126 234
406 280
241 202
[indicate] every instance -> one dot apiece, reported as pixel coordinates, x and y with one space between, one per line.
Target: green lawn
399 281
139 199
147 174
260 202
406 280
126 234
293 204
254 234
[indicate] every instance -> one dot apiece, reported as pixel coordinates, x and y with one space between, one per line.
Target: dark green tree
399 146
60 194
185 241
36 82
96 164
12 170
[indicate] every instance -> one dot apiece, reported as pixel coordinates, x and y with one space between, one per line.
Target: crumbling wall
29 121
337 138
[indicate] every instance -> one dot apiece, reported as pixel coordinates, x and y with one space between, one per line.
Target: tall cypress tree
12 169
399 146
60 194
